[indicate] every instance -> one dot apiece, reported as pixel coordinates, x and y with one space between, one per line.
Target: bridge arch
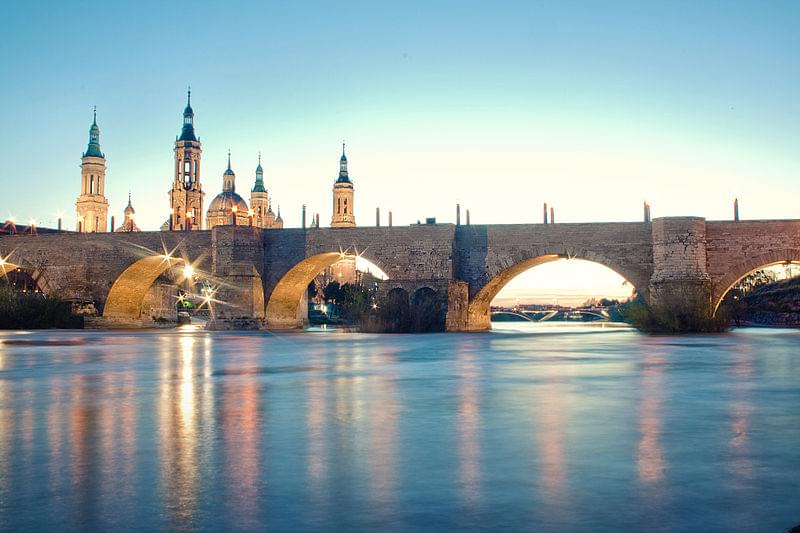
127 294
747 267
285 307
479 309
13 262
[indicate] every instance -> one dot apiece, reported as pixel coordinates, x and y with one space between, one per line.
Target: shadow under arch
127 294
284 308
745 268
11 263
479 309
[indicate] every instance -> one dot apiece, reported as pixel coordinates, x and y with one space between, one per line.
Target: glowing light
188 271
234 208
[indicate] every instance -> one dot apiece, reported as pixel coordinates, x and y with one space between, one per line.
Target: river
526 427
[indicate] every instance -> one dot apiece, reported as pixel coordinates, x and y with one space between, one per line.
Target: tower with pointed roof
92 205
260 204
343 216
186 195
129 225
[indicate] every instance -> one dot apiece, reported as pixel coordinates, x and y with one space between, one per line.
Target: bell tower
343 216
186 196
92 205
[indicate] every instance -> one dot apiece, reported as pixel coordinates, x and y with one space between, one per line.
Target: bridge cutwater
262 275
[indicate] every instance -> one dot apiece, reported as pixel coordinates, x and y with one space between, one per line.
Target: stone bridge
262 275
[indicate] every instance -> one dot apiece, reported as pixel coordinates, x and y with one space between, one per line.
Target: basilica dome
225 201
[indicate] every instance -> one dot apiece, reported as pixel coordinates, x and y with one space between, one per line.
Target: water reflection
468 426
650 456
383 419
741 409
241 427
189 430
316 416
180 477
552 419
85 474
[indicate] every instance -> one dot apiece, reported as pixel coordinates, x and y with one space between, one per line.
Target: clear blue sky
592 106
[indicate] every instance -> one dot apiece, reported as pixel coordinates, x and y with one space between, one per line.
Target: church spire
229 177
187 133
93 149
259 185
343 177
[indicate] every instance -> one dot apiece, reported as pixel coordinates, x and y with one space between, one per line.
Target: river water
530 427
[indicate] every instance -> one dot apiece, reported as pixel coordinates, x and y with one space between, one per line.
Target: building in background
129 225
261 204
343 215
228 206
186 196
92 205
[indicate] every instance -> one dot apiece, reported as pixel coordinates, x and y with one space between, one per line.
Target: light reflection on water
526 427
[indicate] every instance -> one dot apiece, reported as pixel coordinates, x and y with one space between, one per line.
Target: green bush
679 311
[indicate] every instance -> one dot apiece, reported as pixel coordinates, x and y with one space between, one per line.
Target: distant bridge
549 314
260 276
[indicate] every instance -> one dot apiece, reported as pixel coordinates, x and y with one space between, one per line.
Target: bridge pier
237 256
450 299
680 288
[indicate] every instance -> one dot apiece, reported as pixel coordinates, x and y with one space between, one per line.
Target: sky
593 107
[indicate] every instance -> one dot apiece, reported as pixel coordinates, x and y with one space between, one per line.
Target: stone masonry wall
483 252
734 249
84 266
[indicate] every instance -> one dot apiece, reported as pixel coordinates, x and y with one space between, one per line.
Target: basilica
186 194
